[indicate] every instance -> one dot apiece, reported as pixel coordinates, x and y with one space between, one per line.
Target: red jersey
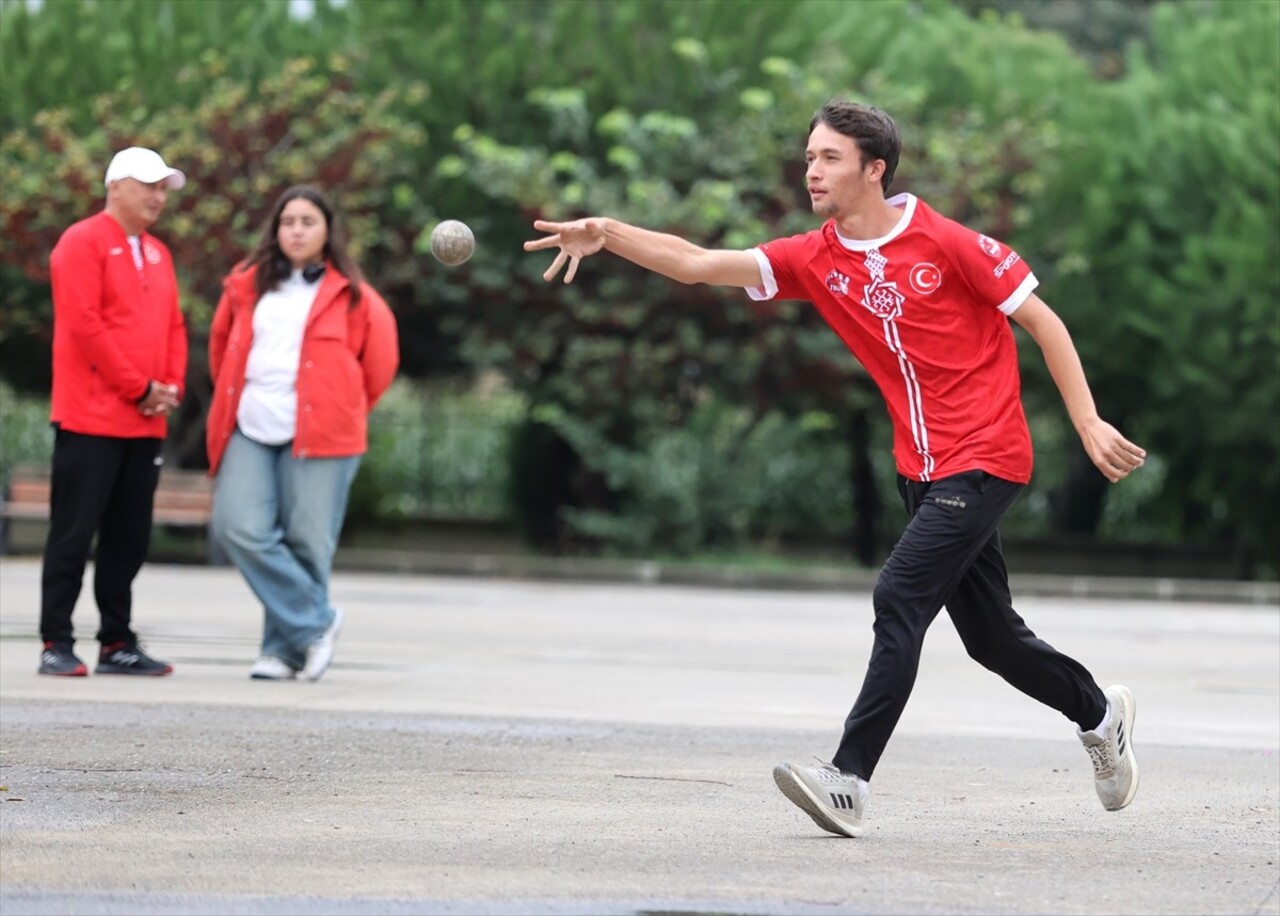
924 309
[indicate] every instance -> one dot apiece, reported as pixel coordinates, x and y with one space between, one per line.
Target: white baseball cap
145 165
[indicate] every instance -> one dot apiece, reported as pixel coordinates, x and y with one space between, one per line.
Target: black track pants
104 486
950 555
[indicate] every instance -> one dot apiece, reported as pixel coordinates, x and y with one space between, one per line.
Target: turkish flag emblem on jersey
925 278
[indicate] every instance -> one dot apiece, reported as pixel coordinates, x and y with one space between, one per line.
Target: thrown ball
452 242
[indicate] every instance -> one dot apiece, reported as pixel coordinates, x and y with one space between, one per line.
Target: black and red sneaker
127 657
58 659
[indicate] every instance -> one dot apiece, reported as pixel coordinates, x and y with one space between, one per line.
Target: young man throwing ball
922 302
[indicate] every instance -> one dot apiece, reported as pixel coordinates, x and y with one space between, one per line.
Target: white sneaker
835 800
270 668
320 652
1115 769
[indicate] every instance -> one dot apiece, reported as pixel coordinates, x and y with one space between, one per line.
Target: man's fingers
556 265
564 236
1127 458
1118 465
1114 456
547 241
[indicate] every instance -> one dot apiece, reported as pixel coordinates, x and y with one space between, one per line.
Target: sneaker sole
799 795
82 671
1130 719
129 671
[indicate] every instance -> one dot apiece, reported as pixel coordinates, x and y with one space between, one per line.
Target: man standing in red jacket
119 360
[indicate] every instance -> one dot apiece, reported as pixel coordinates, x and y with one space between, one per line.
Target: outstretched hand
1114 455
576 240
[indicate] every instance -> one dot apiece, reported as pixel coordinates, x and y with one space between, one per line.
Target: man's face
138 204
837 181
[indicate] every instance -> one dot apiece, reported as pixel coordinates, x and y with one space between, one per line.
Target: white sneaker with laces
320 652
270 668
1110 747
834 799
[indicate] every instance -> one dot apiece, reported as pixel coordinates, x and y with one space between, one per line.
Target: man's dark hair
869 127
274 267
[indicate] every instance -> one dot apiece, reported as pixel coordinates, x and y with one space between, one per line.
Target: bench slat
182 497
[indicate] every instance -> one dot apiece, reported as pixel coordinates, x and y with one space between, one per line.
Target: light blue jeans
278 518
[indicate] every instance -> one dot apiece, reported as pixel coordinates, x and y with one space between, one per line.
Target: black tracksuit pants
950 555
105 486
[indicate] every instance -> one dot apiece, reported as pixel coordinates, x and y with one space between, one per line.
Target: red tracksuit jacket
115 328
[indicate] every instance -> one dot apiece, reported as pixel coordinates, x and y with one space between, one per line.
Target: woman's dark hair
869 127
274 267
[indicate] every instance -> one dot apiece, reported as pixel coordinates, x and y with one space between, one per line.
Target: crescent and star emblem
925 278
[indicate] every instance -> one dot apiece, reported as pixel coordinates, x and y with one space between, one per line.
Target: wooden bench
184 499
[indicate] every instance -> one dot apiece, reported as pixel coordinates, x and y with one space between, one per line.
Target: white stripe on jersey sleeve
770 287
1025 288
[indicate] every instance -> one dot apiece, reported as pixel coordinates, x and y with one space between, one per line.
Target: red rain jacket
349 357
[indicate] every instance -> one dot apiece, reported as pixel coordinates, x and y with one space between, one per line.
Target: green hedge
25 434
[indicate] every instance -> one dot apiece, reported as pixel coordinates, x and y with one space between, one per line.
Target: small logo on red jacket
989 245
151 253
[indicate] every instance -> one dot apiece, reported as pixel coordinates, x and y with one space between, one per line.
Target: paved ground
514 747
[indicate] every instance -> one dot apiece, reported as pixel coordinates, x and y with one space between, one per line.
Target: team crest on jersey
151 253
925 278
838 283
989 245
882 299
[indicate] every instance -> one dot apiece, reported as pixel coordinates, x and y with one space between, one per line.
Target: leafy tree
1102 30
66 53
1168 269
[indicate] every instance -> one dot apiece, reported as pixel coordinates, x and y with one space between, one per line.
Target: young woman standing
300 350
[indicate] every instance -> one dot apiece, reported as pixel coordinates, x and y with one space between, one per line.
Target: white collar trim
908 204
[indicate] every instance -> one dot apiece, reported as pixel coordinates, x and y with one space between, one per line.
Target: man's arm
1113 454
659 252
76 271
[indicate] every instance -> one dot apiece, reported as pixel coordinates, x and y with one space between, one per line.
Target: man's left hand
161 400
1114 455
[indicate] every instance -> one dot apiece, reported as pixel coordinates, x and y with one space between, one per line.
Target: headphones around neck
311 273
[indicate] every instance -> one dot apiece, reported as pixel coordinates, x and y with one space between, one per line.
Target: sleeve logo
989 245
925 278
1005 264
838 283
